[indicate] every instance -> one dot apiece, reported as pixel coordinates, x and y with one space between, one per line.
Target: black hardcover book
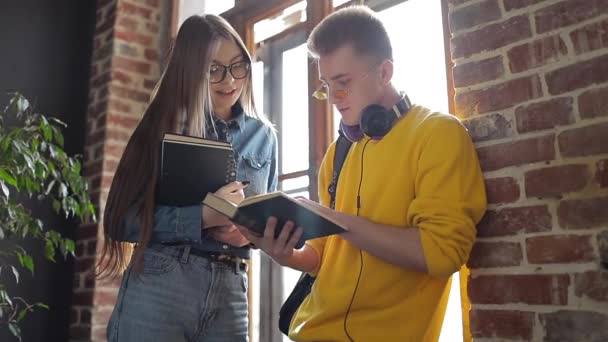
191 167
254 211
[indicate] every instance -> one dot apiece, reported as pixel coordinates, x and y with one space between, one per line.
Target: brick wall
124 70
531 80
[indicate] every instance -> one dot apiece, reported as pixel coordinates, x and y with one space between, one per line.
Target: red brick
544 115
132 9
593 103
124 121
128 23
517 4
584 141
570 325
497 97
583 213
149 84
117 135
569 12
80 249
74 317
473 15
151 55
502 190
592 284
83 298
489 127
152 28
557 180
87 231
110 165
101 79
516 153
591 37
601 175
142 68
80 332
151 3
478 72
495 254
602 246
106 297
128 50
133 37
578 75
89 281
131 94
105 25
502 324
559 249
85 316
491 37
119 106
84 264
537 53
541 289
103 315
94 71
114 150
511 221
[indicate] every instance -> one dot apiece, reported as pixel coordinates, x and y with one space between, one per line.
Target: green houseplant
33 163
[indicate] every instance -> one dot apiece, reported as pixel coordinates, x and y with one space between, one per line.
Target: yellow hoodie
425 174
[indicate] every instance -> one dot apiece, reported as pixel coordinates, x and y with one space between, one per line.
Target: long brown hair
181 100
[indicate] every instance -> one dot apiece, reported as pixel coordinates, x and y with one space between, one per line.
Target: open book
254 211
190 167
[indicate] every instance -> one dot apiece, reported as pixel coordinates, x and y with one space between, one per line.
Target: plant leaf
42 305
16 274
70 246
7 177
27 261
22 314
4 189
15 330
49 251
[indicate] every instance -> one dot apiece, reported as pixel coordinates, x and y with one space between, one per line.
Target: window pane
278 23
294 120
218 7
257 75
421 75
294 183
337 3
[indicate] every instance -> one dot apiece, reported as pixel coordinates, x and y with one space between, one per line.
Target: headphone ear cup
376 121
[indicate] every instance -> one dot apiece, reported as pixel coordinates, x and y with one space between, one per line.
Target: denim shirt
255 146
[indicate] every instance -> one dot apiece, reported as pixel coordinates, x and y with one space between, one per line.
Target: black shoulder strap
342 147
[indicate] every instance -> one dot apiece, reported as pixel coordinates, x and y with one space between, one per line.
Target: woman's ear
386 71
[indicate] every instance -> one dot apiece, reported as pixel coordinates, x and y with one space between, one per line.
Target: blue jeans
180 297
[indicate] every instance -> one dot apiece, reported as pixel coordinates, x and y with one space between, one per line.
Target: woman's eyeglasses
238 70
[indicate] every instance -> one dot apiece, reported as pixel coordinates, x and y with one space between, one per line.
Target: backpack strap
342 148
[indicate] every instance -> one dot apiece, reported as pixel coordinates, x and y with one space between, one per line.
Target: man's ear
386 71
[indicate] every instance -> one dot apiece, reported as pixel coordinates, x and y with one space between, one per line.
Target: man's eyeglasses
238 70
324 91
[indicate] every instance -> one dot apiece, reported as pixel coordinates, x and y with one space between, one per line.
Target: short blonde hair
355 25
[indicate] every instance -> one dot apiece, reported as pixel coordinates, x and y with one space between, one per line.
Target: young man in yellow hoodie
410 196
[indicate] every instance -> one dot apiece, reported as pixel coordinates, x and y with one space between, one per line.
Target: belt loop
185 254
237 265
